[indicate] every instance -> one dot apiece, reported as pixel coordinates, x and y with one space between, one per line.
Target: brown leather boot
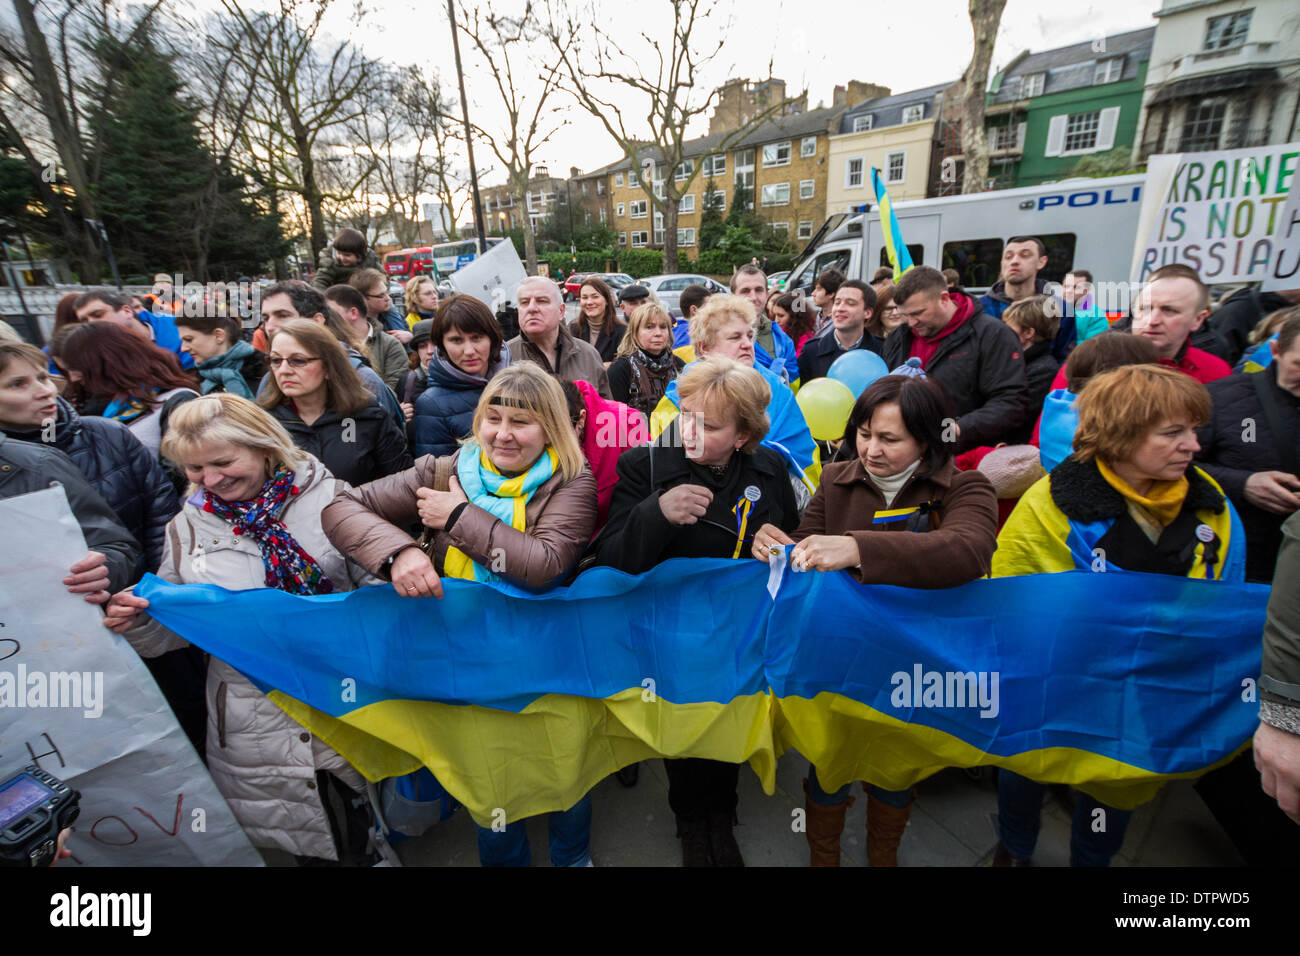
885 825
823 828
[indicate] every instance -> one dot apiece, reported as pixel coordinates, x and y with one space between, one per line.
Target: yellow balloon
825 404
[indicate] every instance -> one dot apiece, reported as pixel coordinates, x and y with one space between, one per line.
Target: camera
34 807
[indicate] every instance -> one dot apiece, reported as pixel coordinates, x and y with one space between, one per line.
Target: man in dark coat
1238 314
850 311
974 356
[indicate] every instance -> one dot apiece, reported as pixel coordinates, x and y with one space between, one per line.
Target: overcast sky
811 44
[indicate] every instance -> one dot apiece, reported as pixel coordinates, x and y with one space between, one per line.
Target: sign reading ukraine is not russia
1232 215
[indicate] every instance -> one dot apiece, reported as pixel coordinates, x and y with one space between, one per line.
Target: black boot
693 831
726 852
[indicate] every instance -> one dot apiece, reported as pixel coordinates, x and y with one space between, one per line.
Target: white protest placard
493 277
76 700
1285 273
1222 213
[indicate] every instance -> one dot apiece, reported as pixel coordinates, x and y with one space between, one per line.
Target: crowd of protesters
343 444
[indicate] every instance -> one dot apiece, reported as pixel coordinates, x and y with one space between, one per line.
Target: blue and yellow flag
1115 683
899 257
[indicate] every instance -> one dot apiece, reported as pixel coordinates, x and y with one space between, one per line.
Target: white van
1085 223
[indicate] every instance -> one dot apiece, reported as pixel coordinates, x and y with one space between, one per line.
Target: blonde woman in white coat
246 474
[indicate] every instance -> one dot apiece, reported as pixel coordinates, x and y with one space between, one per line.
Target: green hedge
715 262
589 261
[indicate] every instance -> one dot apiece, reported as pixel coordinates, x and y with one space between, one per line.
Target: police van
1085 224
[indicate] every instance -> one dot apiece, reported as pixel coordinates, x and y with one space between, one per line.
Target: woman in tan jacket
902 478
253 520
516 503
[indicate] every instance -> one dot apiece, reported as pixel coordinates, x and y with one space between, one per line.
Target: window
780 227
659 173
914 113
1222 33
618 179
714 165
638 208
602 214
776 194
1032 85
744 159
805 229
1060 256
776 154
853 172
806 188
808 147
896 167
686 237
838 259
1203 126
716 200
862 123
600 187
659 189
640 239
917 252
1011 136
1081 131
622 238
618 209
685 169
686 203
1109 70
632 180
978 261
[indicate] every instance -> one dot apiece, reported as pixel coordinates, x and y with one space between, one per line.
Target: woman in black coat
327 410
678 498
598 322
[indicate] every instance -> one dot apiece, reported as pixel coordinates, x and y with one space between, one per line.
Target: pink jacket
612 428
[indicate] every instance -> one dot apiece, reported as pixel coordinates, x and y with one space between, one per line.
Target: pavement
952 824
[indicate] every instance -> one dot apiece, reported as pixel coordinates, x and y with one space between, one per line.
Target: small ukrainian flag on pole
899 257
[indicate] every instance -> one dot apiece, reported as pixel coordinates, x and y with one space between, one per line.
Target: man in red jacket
1171 306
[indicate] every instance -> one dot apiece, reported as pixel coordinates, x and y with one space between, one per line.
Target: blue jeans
570 839
894 798
1020 808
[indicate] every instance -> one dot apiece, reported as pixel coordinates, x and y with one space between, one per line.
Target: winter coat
120 468
621 379
1237 316
959 513
238 370
372 448
262 760
331 273
575 359
163 332
1041 367
981 367
26 467
367 524
819 354
151 427
1279 683
373 383
995 302
387 355
606 343
637 536
1230 459
1072 518
444 412
612 428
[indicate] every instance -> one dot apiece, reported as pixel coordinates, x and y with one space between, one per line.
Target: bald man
544 339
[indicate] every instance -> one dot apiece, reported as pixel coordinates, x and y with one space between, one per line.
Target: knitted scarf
650 377
502 497
288 567
126 410
223 372
1154 511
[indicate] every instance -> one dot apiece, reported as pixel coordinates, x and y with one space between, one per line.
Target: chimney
574 172
839 99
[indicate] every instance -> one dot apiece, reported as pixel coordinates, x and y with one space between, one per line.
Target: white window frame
1007 137
659 189
1230 19
890 179
780 227
618 209
848 172
632 180
776 187
622 238
714 165
600 187
805 229
1058 126
684 170
644 240
686 236
720 194
684 206
1108 70
863 124
643 205
916 116
618 179
602 214
808 147
807 188
1032 84
777 148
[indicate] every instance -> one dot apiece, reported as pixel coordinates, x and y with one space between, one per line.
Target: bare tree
985 17
506 46
596 68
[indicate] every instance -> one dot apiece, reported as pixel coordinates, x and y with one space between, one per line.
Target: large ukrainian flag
1115 683
899 256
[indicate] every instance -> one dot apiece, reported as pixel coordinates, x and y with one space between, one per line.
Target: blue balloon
858 369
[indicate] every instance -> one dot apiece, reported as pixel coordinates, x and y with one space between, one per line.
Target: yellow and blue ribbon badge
741 510
890 515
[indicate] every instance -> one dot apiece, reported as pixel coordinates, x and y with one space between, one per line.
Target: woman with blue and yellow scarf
516 503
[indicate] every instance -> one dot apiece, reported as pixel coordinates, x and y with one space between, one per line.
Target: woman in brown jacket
516 503
902 478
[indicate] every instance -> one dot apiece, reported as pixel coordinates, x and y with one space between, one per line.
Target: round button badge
1205 533
752 493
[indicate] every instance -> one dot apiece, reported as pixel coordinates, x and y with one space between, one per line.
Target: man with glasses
373 286
974 356
357 309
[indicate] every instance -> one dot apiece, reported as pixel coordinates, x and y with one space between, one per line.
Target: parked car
573 284
668 288
777 280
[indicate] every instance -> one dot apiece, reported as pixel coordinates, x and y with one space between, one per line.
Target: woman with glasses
317 396
701 490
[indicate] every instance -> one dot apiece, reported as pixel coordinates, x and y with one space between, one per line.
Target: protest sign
76 700
1222 213
493 277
